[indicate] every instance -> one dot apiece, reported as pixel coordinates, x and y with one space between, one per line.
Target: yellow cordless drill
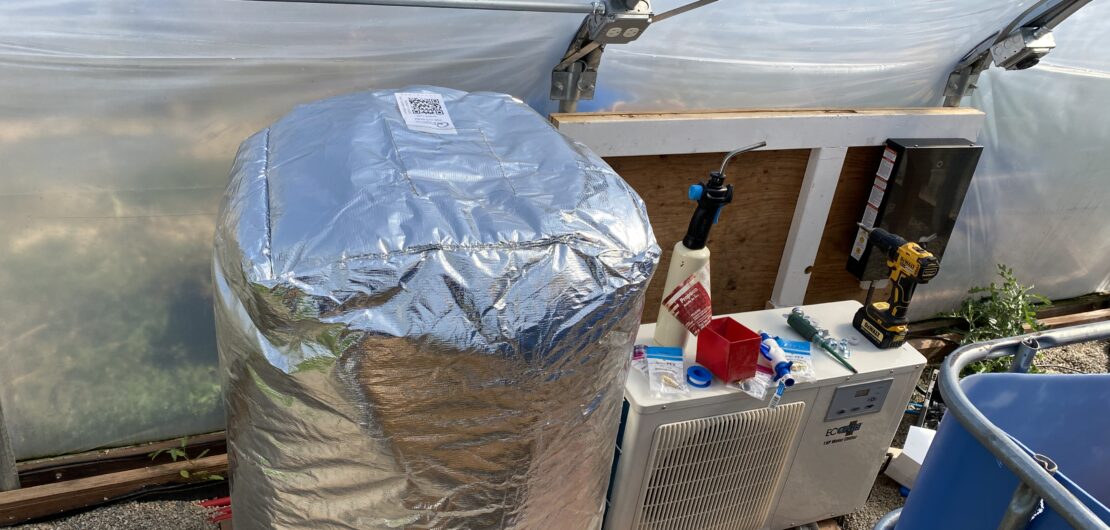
884 323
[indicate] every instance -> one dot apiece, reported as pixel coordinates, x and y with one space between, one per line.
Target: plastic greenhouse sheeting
118 121
1040 199
797 53
119 118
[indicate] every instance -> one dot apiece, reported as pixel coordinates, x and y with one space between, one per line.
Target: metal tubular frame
888 521
539 6
1044 15
1024 355
1032 473
1024 501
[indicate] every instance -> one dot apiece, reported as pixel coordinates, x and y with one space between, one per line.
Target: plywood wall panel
748 242
747 245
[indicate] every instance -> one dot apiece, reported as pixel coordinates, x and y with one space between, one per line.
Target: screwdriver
807 327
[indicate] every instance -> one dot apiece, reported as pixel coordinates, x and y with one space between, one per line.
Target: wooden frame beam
617 134
87 464
50 499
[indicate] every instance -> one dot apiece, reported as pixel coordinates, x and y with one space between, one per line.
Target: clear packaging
666 372
639 359
756 385
798 352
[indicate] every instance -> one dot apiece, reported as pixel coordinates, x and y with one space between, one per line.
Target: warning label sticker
876 197
890 154
689 302
859 244
884 169
870 214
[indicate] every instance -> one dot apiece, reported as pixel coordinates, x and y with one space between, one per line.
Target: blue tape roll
698 376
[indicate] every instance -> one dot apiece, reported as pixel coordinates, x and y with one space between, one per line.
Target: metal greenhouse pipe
542 6
888 521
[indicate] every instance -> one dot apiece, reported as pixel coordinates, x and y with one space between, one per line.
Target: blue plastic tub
1064 417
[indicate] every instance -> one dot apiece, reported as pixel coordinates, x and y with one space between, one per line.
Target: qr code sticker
425 112
426 106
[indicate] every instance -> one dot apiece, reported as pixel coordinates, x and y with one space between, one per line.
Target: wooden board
654 133
40 501
747 245
828 524
733 114
80 465
748 242
1088 317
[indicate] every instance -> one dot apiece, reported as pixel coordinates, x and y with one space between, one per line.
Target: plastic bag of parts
754 386
424 330
796 352
639 359
665 371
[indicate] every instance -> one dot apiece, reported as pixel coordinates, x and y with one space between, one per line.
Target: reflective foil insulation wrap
423 330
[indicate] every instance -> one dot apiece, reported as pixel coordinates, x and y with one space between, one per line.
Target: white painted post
810 214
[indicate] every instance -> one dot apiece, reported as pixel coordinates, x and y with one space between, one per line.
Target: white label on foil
884 169
859 244
425 112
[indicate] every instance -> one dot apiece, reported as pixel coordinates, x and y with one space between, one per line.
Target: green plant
997 311
179 452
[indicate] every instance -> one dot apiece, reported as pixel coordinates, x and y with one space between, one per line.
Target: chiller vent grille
718 472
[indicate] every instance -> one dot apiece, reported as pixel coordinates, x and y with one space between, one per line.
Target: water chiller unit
719 459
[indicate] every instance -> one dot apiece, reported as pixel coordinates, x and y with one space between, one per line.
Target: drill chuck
887 242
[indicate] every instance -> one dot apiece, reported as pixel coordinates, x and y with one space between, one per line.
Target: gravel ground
1088 358
884 498
148 515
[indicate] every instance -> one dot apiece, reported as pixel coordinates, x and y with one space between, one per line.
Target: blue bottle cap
695 191
698 377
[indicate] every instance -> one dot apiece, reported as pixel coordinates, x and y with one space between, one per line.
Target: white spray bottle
686 306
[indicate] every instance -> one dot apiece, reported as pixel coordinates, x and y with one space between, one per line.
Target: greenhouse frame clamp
575 77
1018 46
